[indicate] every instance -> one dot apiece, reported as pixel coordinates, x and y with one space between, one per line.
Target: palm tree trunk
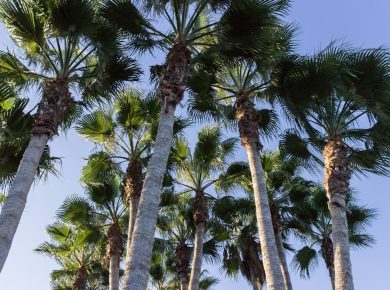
196 267
15 202
247 118
171 91
255 264
80 282
182 265
114 272
327 255
133 188
200 219
133 209
183 281
283 260
254 280
55 102
336 181
115 242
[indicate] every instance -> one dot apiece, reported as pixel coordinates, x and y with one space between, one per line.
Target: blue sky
357 22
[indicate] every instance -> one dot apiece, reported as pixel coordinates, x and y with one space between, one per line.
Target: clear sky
361 23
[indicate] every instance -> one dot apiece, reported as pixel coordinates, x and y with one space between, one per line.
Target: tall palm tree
191 27
314 226
282 182
233 91
79 257
62 44
241 251
197 172
339 99
101 211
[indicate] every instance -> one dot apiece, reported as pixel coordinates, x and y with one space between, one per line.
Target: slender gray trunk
133 209
340 238
15 203
269 251
140 254
283 261
196 267
114 273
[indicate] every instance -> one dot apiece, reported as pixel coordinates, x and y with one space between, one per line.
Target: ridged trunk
247 118
170 92
115 249
133 188
256 266
51 110
278 227
182 264
80 281
336 181
327 255
201 217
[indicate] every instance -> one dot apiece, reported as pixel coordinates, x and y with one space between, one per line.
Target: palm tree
197 173
339 99
191 28
126 132
16 125
232 92
241 251
176 227
283 184
79 257
62 44
314 225
101 211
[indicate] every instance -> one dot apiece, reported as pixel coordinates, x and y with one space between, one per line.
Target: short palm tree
62 44
339 99
191 27
314 226
176 227
79 257
102 211
197 172
126 131
241 252
176 231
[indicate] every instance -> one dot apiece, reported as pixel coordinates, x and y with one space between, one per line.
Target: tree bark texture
80 281
133 188
336 181
248 123
170 92
201 217
283 261
327 255
256 266
115 243
278 227
182 265
51 110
